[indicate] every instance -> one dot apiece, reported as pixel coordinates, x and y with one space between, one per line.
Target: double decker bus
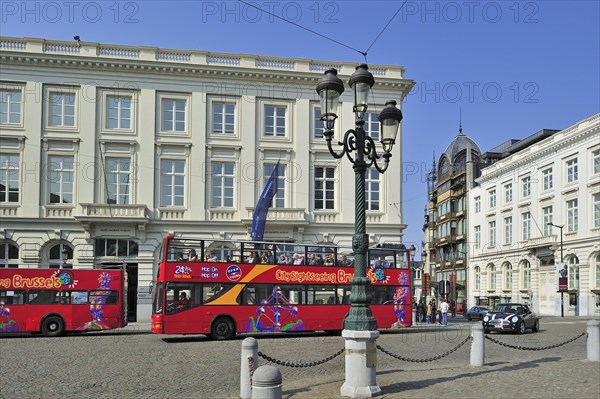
54 301
221 288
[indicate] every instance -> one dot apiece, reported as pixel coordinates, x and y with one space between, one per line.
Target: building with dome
445 246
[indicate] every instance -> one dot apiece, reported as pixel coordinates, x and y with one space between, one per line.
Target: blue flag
259 219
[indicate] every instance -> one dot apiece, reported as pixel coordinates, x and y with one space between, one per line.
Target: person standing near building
444 312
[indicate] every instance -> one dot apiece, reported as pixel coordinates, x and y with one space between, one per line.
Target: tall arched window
526 274
573 265
477 278
55 254
9 255
597 269
491 272
507 275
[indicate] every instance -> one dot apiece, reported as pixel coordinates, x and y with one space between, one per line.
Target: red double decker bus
54 301
221 288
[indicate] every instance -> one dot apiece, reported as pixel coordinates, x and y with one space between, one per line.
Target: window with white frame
526 225
11 106
118 172
275 120
572 216
492 199
477 204
477 272
492 232
547 179
596 205
526 274
172 182
526 186
317 124
61 109
491 274
508 230
597 268
115 247
547 217
61 172
118 112
9 255
173 114
507 276
223 117
572 170
573 265
222 183
9 178
477 237
55 257
371 125
324 188
508 193
279 198
372 187
596 161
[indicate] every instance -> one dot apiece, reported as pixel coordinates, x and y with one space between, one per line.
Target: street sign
563 284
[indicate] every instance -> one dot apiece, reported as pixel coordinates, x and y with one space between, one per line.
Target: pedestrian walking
444 312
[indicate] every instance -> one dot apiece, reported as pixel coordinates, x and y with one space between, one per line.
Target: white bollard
266 383
248 364
593 340
477 346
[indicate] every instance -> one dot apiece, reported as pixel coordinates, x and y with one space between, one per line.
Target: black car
513 317
477 312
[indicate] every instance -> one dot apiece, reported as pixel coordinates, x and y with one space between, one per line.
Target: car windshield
505 309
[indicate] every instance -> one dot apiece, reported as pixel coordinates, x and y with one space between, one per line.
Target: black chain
300 364
430 359
530 348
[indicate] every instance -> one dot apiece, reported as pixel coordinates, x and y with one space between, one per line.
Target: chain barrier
251 365
429 359
300 364
530 348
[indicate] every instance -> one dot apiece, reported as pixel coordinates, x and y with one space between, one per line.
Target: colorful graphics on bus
97 302
275 314
6 324
400 297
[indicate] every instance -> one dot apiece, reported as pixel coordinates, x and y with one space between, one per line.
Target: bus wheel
53 326
222 328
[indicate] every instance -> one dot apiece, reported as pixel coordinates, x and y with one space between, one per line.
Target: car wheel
53 326
480 317
521 328
485 330
469 318
536 326
222 328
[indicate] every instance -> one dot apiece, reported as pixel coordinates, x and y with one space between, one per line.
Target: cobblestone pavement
132 363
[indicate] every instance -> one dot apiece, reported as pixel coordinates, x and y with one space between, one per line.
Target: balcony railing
189 57
113 211
542 241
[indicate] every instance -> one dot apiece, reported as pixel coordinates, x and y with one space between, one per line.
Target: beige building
105 149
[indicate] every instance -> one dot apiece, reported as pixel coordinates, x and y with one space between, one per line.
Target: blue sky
512 67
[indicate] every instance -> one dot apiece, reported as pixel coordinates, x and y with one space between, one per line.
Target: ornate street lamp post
360 327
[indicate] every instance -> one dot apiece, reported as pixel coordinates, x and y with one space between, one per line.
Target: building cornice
532 156
184 62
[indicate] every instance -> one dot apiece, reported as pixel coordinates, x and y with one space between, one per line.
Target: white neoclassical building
537 204
105 149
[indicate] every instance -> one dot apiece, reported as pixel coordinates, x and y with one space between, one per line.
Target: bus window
158 296
343 293
381 294
79 297
294 294
210 292
12 297
107 297
321 294
182 296
43 297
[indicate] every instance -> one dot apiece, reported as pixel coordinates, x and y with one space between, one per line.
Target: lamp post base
361 364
